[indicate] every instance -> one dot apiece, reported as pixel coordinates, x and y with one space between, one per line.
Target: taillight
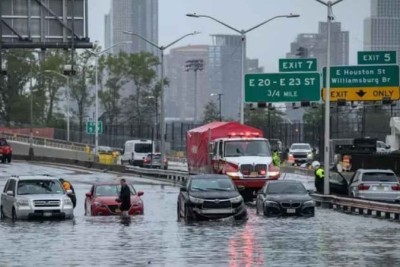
363 187
396 187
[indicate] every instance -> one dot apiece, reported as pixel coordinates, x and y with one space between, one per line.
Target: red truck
234 149
5 151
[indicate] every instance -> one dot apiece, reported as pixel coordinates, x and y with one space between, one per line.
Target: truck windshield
143 148
239 148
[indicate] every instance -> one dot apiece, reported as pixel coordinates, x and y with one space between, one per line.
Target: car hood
43 196
110 200
300 150
249 160
214 194
288 197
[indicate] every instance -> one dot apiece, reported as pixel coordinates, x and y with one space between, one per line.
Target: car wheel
9 158
2 215
14 215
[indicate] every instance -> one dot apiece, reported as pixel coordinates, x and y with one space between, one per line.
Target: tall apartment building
316 44
139 16
180 100
382 29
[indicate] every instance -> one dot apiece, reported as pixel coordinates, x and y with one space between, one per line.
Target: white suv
27 197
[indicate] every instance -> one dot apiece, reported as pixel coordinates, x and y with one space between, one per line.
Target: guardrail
359 206
174 175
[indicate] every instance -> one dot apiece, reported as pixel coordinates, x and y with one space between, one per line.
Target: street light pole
243 46
329 6
96 65
162 109
67 94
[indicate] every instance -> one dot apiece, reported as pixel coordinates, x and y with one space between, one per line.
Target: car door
9 200
4 196
353 184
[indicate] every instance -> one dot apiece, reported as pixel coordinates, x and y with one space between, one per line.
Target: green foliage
211 112
261 117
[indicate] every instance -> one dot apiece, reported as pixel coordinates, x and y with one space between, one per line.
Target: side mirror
89 194
388 147
310 191
241 187
10 193
140 193
183 189
260 192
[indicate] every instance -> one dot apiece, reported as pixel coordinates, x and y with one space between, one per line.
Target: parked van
135 151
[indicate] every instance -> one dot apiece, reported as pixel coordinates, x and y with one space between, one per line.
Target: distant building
180 94
316 43
382 29
139 16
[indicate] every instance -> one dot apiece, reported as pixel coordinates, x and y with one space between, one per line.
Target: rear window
143 148
379 177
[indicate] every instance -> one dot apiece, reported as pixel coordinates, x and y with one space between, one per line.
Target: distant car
301 153
211 196
28 197
5 151
101 200
284 197
103 149
375 184
154 161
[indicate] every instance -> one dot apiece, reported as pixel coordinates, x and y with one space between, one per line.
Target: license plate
254 174
117 210
291 210
47 214
216 211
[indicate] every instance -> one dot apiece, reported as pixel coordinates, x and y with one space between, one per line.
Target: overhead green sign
91 127
376 57
363 76
297 64
282 87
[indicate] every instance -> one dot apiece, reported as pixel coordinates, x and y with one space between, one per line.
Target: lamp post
243 42
67 93
195 65
97 55
220 103
329 5
162 108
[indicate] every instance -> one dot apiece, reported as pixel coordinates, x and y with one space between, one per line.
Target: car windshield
35 187
247 148
286 188
210 184
298 147
143 148
111 190
379 177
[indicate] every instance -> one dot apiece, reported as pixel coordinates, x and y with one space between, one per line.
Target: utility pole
195 65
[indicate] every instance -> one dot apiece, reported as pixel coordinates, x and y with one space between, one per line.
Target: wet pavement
157 239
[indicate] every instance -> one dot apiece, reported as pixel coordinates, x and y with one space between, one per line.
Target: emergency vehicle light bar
244 134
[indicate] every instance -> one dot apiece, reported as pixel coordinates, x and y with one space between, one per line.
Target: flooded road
157 239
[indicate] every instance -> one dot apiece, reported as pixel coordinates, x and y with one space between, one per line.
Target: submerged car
375 184
284 197
28 197
154 161
211 196
102 200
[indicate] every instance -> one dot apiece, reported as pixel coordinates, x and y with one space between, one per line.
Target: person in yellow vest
276 159
319 174
68 187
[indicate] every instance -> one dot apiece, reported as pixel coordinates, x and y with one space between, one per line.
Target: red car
5 151
101 200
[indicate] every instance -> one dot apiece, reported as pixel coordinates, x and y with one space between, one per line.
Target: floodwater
157 239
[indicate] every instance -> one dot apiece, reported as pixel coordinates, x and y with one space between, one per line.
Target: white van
136 150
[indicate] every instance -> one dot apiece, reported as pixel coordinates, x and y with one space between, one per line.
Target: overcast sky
268 43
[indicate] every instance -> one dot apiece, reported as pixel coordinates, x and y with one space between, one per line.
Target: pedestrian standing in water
125 198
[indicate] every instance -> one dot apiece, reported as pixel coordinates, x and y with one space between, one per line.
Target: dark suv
5 151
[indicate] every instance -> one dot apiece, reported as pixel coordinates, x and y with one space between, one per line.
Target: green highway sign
282 87
297 64
376 57
363 76
91 127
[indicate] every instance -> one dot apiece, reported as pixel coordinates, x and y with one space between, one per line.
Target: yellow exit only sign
363 94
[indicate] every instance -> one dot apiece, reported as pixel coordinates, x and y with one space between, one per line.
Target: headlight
270 203
310 203
236 199
309 154
67 201
195 200
98 204
22 202
290 154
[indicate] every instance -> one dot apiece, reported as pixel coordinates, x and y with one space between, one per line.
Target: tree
314 126
211 112
266 119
